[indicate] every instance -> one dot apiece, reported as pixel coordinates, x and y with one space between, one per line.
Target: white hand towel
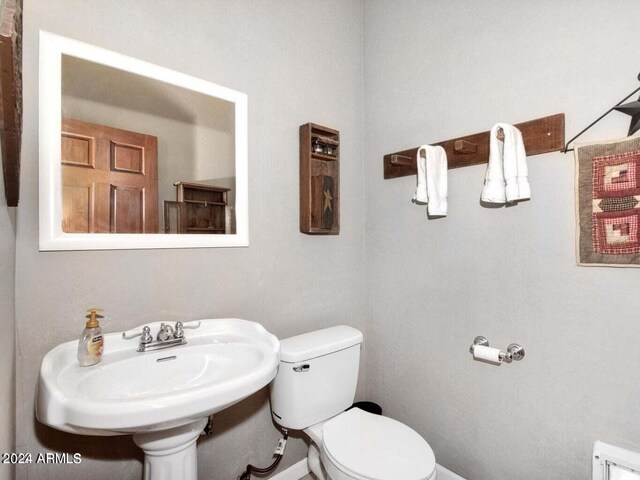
432 179
421 188
494 187
515 165
506 178
524 189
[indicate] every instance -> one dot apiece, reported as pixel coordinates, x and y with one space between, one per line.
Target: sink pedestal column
171 454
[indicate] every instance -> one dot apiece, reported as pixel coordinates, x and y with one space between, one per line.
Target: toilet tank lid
318 343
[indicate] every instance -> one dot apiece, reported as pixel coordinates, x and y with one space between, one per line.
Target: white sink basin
157 395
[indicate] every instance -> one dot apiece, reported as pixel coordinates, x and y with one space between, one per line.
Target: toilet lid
373 447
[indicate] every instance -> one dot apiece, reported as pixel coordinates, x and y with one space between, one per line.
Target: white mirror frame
52 47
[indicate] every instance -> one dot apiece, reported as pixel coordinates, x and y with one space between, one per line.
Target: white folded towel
432 179
506 178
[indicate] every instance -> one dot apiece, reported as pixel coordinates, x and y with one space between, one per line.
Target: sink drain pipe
279 452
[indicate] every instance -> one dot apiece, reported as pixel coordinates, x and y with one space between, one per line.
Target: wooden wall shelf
319 180
541 135
320 156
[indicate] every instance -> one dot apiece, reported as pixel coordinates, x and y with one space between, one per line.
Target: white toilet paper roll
487 354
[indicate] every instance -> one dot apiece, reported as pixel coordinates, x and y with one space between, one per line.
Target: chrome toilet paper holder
513 352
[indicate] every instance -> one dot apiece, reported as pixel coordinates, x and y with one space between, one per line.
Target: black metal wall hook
631 109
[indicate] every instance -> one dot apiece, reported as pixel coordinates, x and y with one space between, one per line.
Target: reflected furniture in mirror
199 208
123 143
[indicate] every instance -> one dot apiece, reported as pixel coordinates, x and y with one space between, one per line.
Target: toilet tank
317 376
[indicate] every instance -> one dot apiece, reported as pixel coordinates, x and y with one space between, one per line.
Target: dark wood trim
11 94
541 135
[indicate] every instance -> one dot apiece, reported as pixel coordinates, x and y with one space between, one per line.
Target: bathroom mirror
134 155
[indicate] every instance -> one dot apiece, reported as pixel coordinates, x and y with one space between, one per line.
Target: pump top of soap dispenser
93 317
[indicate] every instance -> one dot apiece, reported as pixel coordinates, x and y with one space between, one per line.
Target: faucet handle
145 335
129 336
191 326
180 327
179 330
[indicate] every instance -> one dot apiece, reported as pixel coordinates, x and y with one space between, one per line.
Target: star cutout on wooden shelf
633 109
327 201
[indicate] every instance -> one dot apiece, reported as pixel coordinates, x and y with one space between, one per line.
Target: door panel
120 168
76 209
127 158
78 150
127 208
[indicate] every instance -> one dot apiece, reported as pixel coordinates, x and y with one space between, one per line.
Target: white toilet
315 383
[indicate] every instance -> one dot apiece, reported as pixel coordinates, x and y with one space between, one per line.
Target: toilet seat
373 447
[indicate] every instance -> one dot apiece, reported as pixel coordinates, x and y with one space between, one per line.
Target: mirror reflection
142 156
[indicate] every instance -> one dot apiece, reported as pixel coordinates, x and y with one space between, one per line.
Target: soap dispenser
91 341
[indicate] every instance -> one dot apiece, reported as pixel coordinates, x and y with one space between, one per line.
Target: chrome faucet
167 336
165 333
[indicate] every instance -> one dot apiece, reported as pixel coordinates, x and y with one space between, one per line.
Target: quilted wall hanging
608 203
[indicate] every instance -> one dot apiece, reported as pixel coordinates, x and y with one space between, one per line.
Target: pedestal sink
162 397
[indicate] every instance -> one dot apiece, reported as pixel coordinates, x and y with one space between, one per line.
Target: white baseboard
294 472
300 469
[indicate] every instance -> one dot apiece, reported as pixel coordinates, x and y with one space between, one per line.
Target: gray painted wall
436 70
7 331
296 66
453 68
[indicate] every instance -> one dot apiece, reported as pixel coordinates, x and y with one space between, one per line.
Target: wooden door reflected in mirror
109 179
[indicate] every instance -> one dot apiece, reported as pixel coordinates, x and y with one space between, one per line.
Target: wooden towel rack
541 135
